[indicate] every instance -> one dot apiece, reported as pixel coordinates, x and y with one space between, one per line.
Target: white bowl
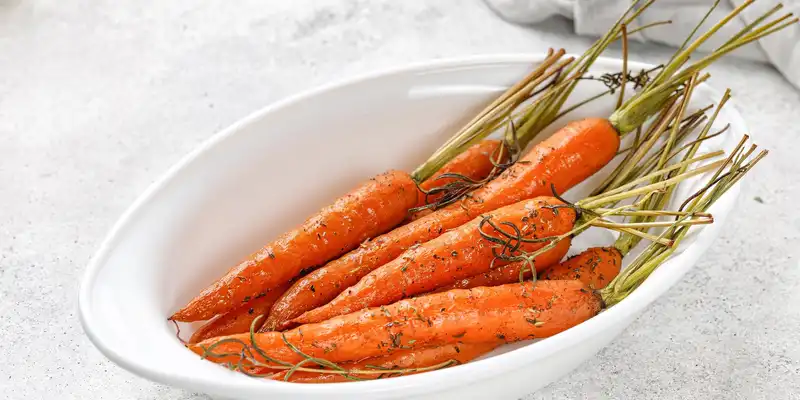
268 172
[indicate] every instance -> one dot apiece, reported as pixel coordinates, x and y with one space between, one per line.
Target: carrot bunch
449 282
475 319
354 223
570 155
351 219
562 160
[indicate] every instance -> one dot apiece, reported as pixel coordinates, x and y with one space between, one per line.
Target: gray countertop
98 98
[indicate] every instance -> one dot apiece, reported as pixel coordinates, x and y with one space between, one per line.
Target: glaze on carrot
510 273
239 320
563 160
506 313
475 163
374 207
402 359
595 267
457 254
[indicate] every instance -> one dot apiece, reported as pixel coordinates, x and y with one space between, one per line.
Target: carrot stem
655 213
602 223
632 184
652 187
621 98
493 116
654 256
637 109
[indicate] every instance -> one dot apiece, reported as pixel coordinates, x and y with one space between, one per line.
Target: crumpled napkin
594 17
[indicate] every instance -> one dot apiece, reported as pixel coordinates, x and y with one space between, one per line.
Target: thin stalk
662 185
654 133
656 174
631 232
755 23
646 26
483 124
673 135
653 256
656 213
621 98
656 224
651 162
672 59
639 79
536 119
516 90
631 160
637 109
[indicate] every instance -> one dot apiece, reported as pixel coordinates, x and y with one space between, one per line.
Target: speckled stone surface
98 98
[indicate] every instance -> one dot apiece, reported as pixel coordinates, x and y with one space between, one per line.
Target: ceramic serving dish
269 171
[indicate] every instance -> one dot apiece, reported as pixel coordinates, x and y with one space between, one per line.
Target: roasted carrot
331 232
506 313
413 361
371 209
510 273
563 160
473 165
239 320
595 267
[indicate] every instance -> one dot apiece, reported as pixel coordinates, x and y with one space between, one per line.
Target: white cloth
594 17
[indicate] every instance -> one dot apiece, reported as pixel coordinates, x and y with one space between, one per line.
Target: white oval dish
269 171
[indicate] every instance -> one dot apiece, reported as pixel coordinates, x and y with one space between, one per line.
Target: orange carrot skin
457 254
595 267
566 158
475 163
508 313
374 207
510 273
402 359
239 320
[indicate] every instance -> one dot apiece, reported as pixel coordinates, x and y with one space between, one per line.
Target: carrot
595 267
373 208
563 160
507 313
331 232
414 361
474 164
459 253
240 319
510 273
